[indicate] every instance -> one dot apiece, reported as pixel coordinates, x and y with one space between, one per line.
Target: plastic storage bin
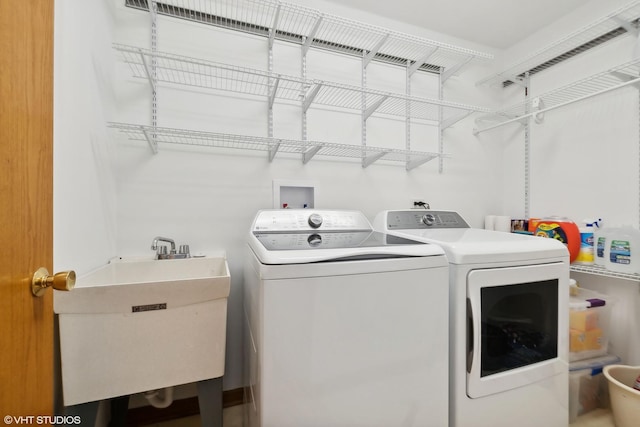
625 401
589 318
588 386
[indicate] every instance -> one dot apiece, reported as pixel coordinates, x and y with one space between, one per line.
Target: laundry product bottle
562 229
599 245
623 250
586 253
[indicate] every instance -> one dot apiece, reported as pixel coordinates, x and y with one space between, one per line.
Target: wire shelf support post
153 138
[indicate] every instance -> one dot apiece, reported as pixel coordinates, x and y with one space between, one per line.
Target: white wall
584 159
84 185
208 197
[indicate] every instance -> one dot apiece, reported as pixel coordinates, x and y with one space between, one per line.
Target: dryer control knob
428 219
315 220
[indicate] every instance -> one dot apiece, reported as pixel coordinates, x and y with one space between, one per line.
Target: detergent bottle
599 244
622 250
562 229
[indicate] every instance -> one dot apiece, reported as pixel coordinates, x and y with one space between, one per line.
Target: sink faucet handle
184 249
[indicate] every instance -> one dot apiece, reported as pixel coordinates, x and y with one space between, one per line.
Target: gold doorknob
63 281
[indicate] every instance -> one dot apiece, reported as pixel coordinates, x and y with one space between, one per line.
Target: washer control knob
315 220
314 240
428 219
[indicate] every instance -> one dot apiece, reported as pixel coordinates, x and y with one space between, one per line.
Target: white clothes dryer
345 326
509 320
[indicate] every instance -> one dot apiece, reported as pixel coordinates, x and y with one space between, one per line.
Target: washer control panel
417 219
297 220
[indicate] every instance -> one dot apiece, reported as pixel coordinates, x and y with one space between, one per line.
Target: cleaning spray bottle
586 253
600 235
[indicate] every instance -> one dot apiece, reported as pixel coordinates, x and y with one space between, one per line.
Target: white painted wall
84 186
584 159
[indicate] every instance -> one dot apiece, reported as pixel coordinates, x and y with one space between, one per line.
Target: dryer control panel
419 219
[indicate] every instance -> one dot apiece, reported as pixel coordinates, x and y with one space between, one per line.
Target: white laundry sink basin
137 325
125 285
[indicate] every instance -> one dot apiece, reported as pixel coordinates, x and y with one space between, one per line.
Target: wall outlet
419 203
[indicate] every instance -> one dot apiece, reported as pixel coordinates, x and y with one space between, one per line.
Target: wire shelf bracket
422 60
310 96
372 158
628 26
153 143
274 25
310 153
374 51
414 163
273 149
310 37
453 70
274 91
447 123
373 107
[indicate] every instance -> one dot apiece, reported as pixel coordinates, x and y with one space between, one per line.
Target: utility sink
137 325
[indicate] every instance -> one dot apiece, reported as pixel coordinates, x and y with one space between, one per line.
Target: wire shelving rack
304 25
627 74
182 70
623 20
601 271
271 146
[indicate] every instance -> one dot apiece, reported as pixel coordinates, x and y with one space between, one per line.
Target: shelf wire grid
182 70
605 28
601 271
295 23
220 140
608 80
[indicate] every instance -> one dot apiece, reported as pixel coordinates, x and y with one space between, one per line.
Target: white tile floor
232 417
596 418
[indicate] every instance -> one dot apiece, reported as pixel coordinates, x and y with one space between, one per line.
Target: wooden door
26 208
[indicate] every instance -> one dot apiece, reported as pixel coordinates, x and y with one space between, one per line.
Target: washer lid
301 236
298 248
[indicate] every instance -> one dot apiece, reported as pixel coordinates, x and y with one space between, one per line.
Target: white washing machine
509 320
345 326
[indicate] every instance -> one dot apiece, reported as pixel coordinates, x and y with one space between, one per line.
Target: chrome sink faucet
161 250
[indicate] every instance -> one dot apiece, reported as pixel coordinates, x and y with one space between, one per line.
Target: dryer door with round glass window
515 332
